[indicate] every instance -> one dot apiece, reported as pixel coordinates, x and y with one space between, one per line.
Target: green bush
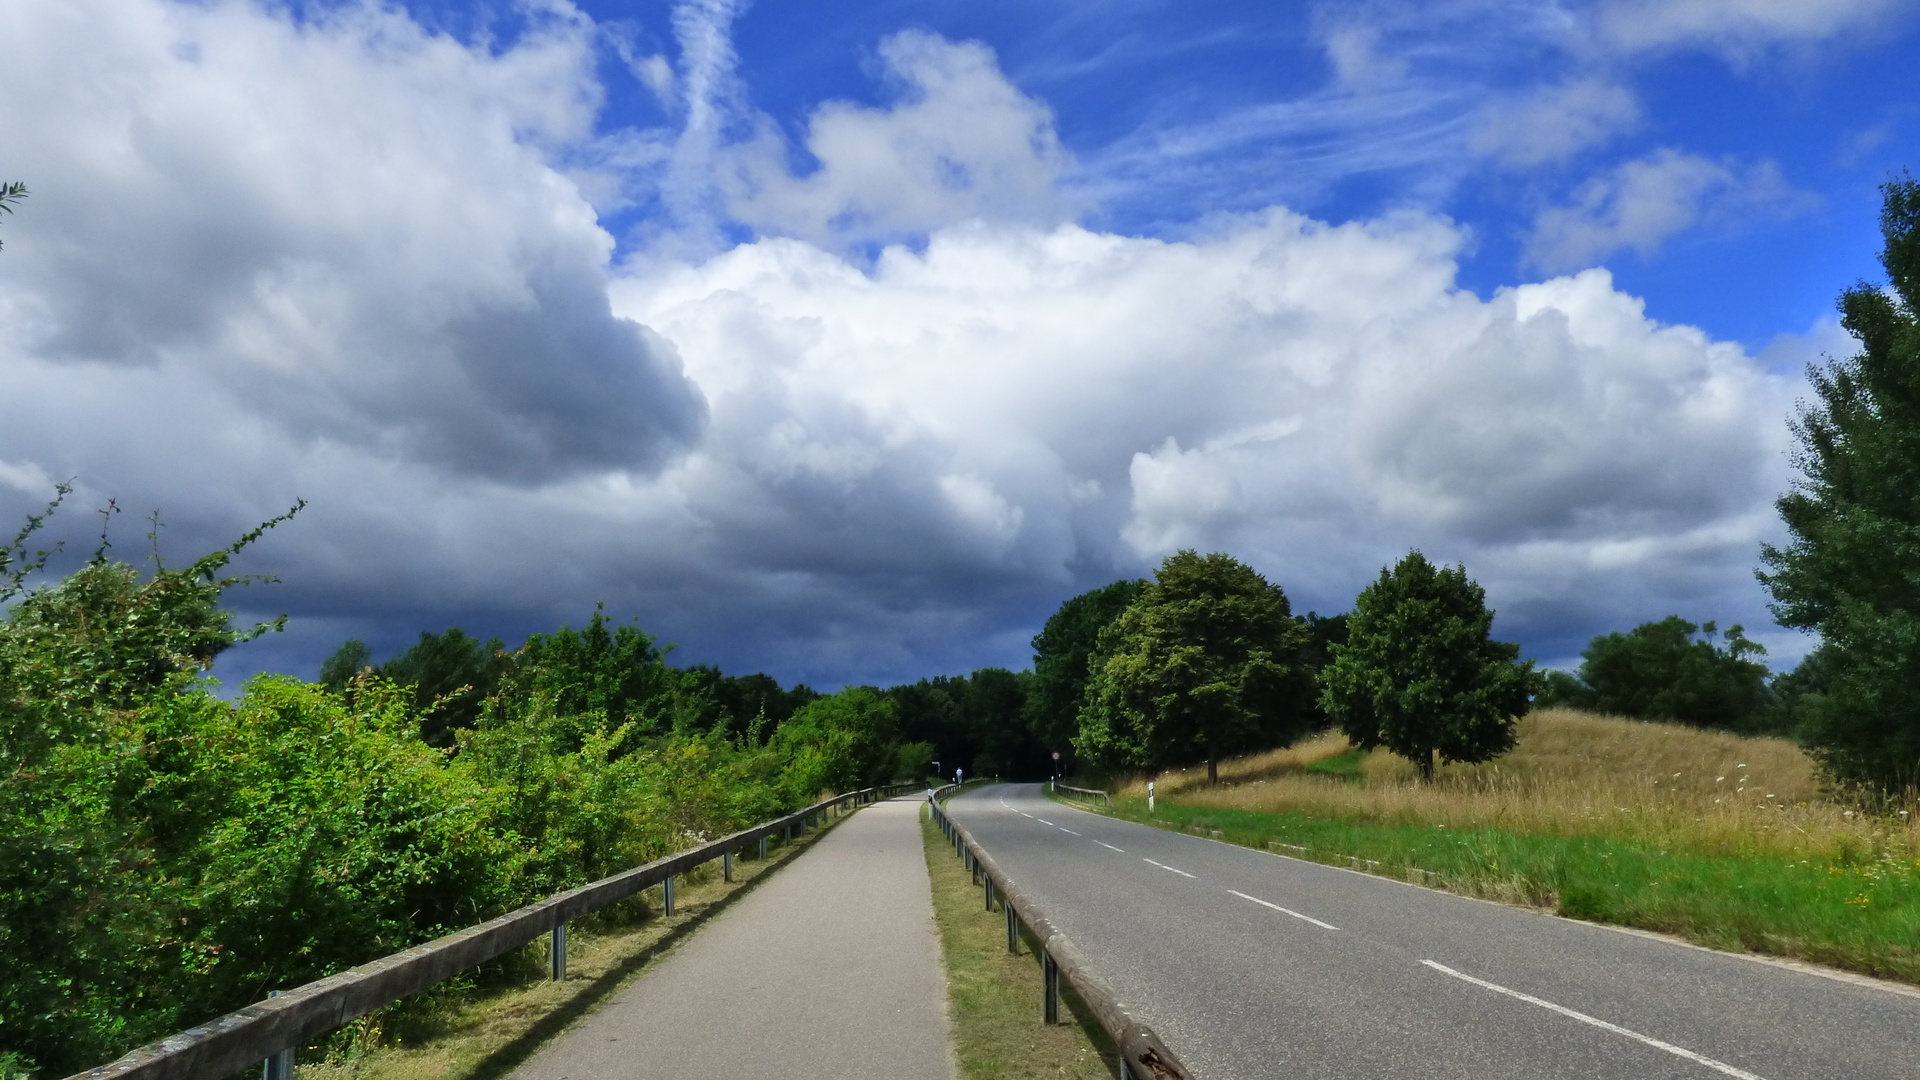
167 856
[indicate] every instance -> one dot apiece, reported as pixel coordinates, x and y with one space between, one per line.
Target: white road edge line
1164 866
1677 1051
1110 847
1284 911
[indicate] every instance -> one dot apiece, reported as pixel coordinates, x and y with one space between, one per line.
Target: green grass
994 995
1345 765
482 1029
1858 910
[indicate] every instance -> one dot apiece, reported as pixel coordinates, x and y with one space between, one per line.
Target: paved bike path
830 968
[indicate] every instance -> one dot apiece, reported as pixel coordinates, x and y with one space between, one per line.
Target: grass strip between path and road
994 996
1860 914
482 1025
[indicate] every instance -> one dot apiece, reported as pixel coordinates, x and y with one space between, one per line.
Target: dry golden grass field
1572 773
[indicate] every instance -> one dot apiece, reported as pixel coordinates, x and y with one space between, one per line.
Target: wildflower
1717 779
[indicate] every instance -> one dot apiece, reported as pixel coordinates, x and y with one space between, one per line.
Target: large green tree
1662 671
1060 653
1420 673
1205 662
1852 569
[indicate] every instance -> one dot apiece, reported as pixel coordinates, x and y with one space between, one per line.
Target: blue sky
844 341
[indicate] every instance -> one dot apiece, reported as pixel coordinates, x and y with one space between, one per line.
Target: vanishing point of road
1255 965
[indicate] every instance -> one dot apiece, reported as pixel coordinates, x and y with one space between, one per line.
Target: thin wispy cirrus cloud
849 354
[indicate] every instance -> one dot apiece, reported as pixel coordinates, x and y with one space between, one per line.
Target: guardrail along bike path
831 968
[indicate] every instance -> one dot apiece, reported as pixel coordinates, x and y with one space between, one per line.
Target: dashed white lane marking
1164 866
1066 830
1110 847
1044 821
1284 911
1677 1051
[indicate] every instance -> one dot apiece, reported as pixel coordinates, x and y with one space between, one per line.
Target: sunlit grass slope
1572 773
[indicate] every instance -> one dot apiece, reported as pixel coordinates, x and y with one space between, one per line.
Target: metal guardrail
1142 1055
267 1030
1058 786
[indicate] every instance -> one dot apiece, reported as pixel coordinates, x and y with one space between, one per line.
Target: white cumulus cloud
961 143
1737 28
1551 124
1644 202
348 226
1314 398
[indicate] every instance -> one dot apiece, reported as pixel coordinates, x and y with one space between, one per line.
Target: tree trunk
1213 768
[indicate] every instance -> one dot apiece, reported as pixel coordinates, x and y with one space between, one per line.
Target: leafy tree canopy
1420 673
973 722
1661 671
1851 571
839 743
1060 653
1205 662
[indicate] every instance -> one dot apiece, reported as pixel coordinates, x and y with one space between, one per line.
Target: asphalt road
1253 965
828 969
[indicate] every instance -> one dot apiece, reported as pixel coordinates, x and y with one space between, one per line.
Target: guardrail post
1050 978
557 952
763 849
1013 930
989 892
278 1066
726 867
666 893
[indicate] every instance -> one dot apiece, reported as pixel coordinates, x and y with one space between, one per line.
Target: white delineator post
1149 795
